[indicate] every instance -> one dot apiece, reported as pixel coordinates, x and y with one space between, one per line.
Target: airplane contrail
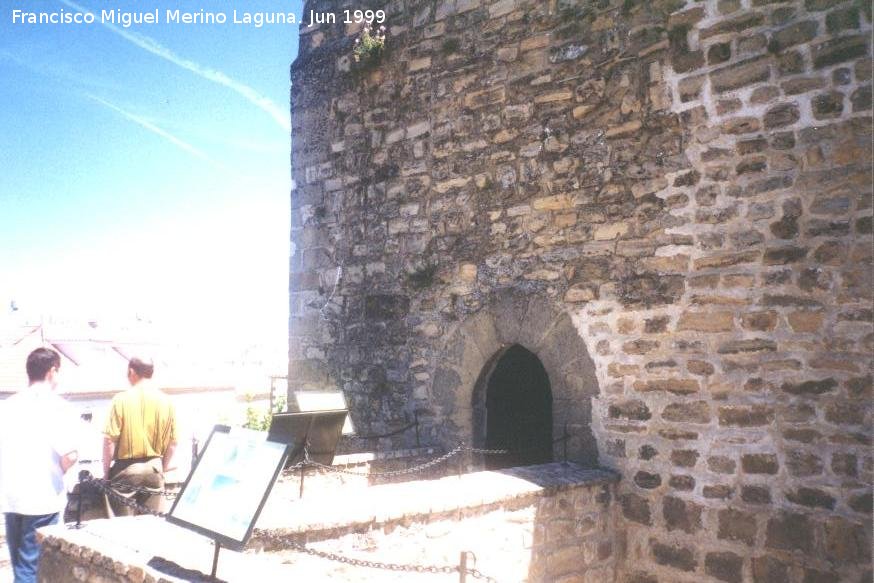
182 144
279 115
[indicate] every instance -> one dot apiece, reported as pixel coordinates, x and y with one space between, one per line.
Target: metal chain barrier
105 487
169 495
415 469
446 569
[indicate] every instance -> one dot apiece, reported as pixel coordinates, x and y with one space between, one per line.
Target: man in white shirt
37 447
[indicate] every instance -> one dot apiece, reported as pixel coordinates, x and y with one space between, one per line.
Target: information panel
227 488
318 431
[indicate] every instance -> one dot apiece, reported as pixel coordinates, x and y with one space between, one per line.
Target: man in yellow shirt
139 438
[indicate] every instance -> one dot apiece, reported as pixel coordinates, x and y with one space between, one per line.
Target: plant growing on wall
369 45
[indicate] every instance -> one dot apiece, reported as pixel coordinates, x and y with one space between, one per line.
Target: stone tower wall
669 202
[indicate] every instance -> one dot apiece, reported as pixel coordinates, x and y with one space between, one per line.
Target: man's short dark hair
40 362
143 366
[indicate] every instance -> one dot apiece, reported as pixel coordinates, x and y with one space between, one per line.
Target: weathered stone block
676 386
737 526
845 464
781 115
684 458
719 53
641 577
676 556
802 85
838 50
861 100
828 105
733 25
647 452
725 566
811 497
752 416
695 412
805 321
682 483
485 97
846 542
790 531
759 463
647 480
802 463
634 410
756 494
682 515
636 508
862 503
798 33
721 464
845 413
700 367
564 560
769 570
741 125
846 18
741 74
706 321
810 387
747 346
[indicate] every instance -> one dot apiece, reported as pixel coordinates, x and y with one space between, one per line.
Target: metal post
564 439
215 555
306 459
462 567
79 501
461 462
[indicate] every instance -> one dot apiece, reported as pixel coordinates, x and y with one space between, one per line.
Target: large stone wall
669 202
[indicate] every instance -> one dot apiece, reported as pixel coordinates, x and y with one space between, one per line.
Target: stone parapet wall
540 523
669 202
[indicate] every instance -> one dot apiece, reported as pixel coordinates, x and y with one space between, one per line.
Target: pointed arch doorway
516 409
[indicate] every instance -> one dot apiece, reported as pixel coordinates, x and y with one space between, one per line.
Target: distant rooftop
94 359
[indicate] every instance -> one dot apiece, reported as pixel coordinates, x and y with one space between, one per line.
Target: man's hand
67 460
108 454
167 458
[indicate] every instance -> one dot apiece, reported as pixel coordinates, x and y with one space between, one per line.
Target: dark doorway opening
518 410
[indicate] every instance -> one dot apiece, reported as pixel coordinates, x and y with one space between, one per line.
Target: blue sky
145 170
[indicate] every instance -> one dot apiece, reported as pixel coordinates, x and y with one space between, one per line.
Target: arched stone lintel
475 345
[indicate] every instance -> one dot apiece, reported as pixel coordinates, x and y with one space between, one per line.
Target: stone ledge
320 517
142 549
147 549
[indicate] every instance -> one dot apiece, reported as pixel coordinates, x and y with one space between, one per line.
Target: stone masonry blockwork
668 202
